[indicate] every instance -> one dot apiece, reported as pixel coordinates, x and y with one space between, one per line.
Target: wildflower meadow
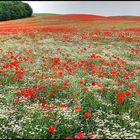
70 76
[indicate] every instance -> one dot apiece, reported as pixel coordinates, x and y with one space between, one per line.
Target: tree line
14 10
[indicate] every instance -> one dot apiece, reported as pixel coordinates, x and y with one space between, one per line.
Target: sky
104 8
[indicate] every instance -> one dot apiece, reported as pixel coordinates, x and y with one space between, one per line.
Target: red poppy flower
126 76
120 82
87 115
128 93
93 71
66 84
56 119
34 92
53 84
93 83
132 74
122 94
85 89
61 74
79 135
51 129
81 82
120 99
17 100
77 108
18 93
104 72
34 97
104 89
52 94
130 86
138 91
85 49
117 91
27 95
63 106
93 55
30 90
58 49
114 73
40 88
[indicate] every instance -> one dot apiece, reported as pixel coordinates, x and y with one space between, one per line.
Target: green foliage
14 10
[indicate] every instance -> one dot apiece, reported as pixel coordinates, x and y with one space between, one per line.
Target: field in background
70 76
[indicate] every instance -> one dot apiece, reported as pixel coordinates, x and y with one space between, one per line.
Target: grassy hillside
44 14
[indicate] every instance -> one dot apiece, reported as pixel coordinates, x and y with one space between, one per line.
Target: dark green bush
14 10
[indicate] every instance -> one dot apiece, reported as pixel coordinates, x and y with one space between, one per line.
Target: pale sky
105 8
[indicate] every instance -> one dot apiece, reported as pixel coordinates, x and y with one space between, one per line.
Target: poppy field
70 77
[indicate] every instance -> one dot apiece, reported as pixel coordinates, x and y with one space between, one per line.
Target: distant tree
28 9
14 10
